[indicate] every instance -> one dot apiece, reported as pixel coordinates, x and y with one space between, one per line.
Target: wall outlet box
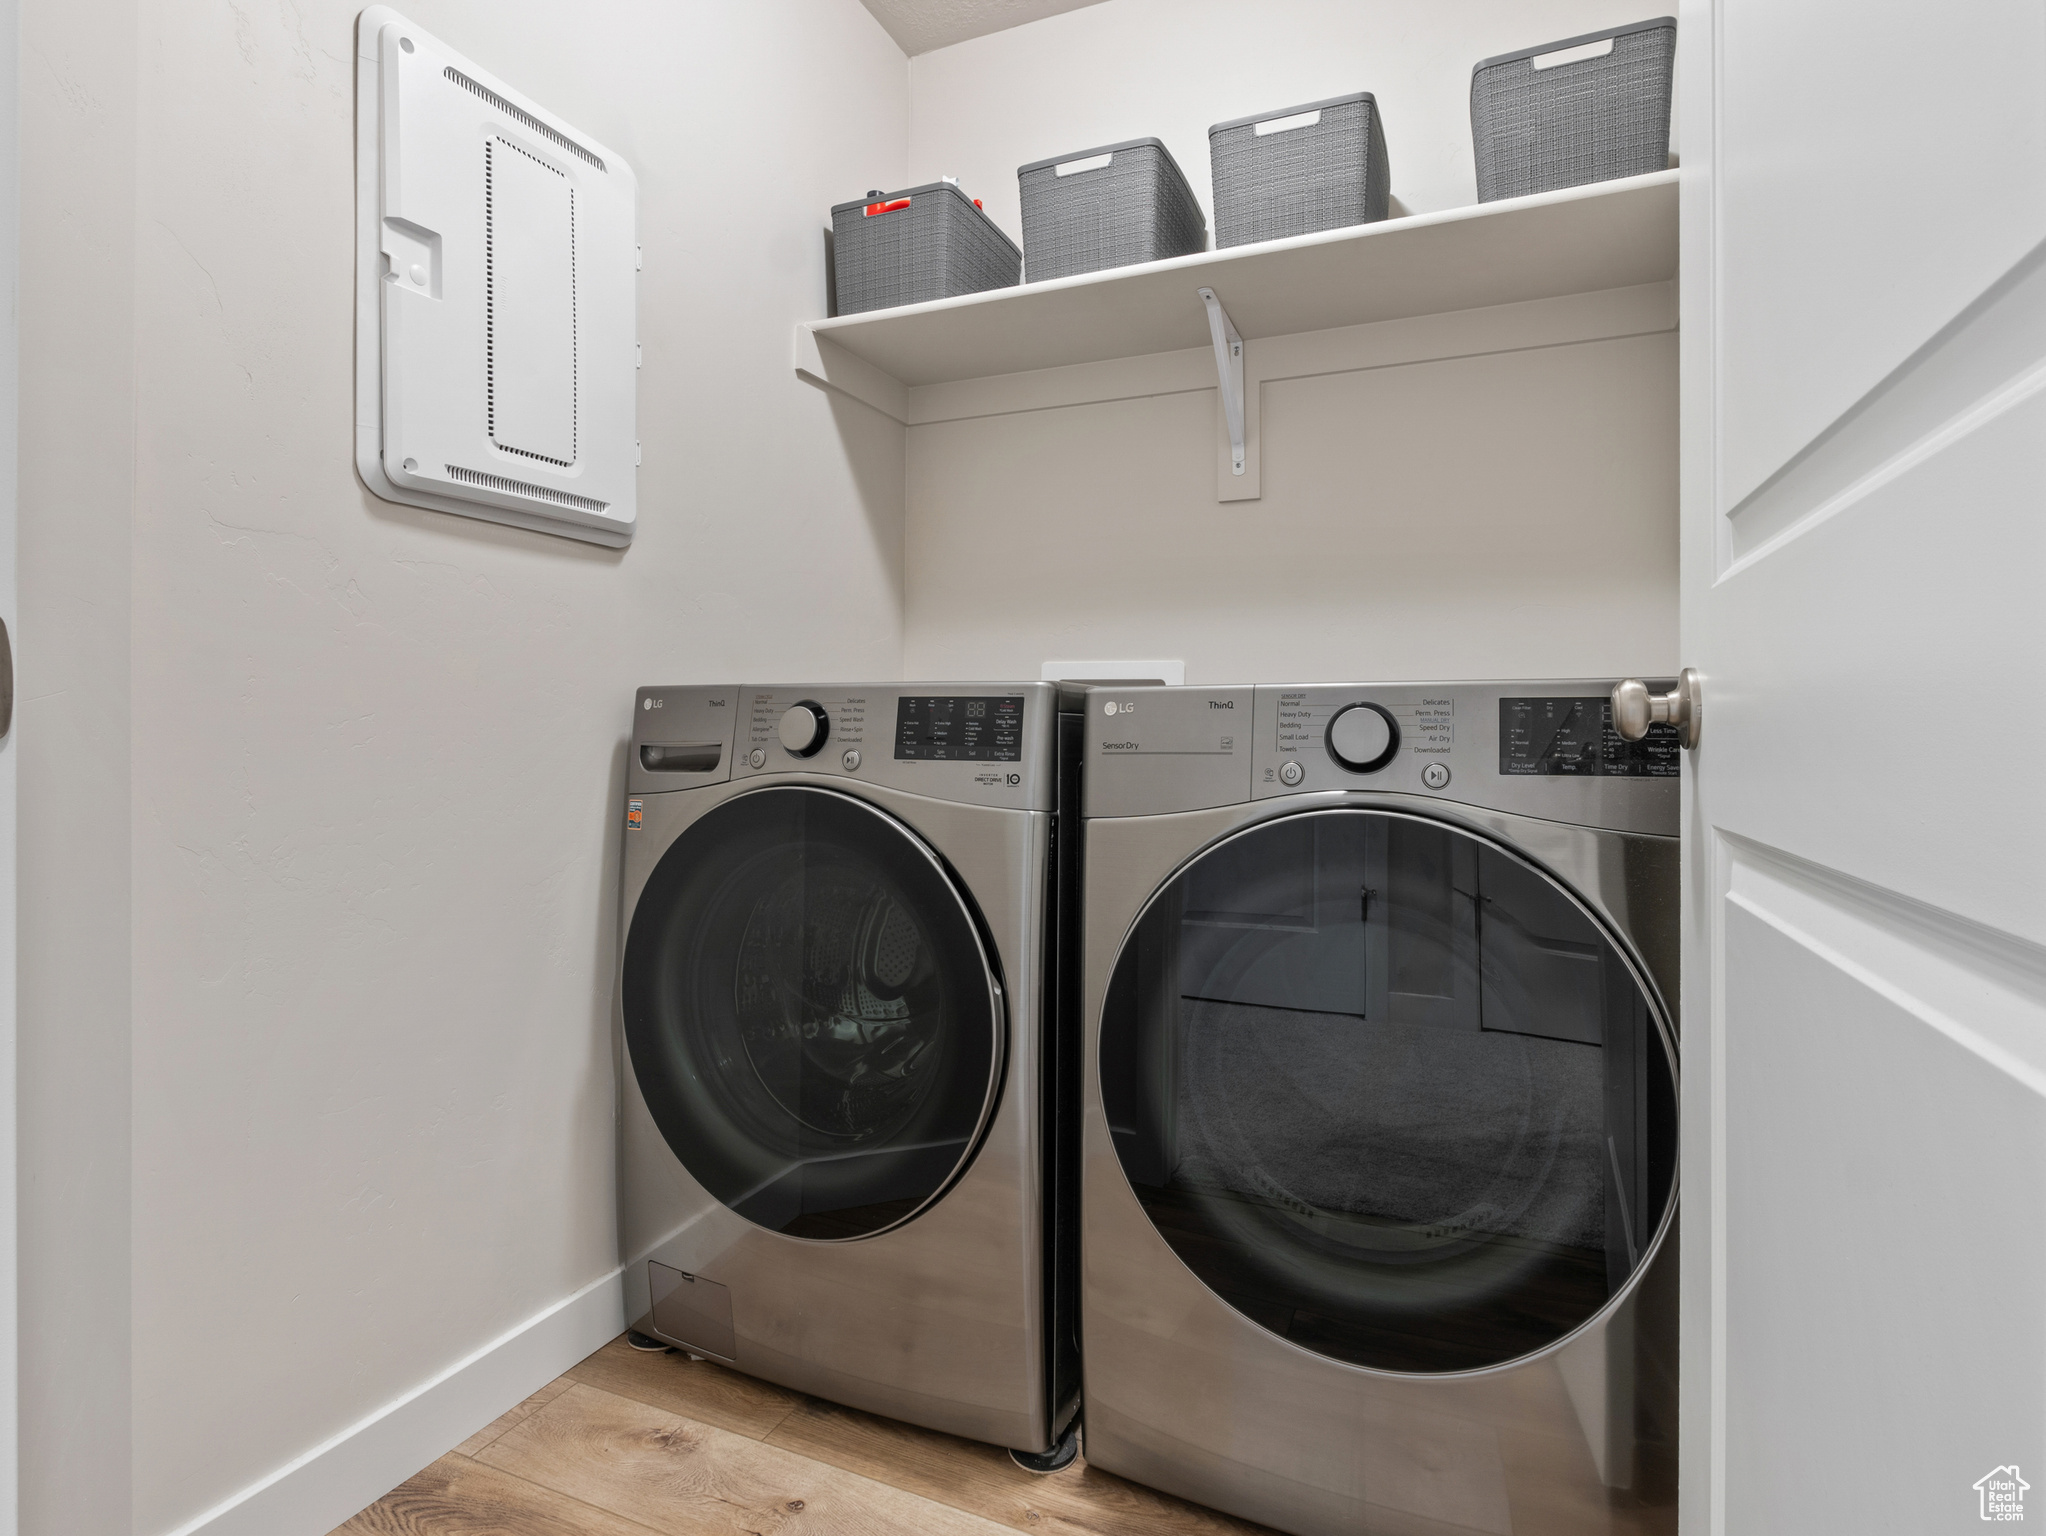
496 277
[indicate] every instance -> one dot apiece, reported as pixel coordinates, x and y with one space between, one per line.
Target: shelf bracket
1229 364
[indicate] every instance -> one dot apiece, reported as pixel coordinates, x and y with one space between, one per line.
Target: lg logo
1113 708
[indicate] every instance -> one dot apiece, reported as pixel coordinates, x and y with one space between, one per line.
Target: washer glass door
811 1014
1389 1090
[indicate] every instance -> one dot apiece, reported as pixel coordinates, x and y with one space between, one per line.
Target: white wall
1486 510
1497 515
73 729
372 754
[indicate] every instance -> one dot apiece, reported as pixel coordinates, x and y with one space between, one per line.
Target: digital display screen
960 730
1574 738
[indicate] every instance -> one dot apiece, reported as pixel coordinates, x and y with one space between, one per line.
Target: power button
1291 773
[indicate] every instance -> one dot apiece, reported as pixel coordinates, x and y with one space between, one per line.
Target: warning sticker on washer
635 815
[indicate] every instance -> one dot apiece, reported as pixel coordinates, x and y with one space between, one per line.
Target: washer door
1389 1091
811 1014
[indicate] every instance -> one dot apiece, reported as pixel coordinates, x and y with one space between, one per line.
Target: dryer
844 1168
1380 1105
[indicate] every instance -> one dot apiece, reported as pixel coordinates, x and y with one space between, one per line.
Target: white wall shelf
1614 234
1334 298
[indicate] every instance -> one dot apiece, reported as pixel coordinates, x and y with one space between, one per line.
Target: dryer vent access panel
496 305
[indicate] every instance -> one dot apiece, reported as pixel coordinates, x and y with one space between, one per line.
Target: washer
1380 1113
848 1163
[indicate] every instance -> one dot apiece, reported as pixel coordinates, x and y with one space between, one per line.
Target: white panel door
1864 491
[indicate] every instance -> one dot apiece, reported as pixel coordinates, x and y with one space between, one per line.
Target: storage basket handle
1288 123
1593 50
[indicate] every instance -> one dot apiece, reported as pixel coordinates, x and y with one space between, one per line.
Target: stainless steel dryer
843 1167
1380 1118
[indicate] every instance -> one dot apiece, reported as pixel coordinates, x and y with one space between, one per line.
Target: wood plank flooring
628 1443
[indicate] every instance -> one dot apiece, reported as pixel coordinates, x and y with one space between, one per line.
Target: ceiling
918 26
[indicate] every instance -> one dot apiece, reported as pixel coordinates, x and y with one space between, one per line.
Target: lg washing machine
1380 1138
849 1129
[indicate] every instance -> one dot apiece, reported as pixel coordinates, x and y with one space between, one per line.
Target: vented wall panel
497 260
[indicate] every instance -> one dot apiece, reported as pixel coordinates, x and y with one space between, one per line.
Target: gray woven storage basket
930 242
1327 170
1591 119
1135 205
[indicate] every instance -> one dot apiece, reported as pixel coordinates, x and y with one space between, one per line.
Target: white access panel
496 359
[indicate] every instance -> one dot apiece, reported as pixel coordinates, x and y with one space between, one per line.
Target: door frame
10 394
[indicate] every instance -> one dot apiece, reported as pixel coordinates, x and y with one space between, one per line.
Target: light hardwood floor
627 1443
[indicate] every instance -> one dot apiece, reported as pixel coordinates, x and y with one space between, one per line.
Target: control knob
804 728
1362 738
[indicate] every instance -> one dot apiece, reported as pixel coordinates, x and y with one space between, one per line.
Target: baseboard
330 1482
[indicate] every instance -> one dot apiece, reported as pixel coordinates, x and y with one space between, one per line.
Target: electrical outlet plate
497 252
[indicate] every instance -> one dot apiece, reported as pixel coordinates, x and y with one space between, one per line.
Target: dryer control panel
1538 748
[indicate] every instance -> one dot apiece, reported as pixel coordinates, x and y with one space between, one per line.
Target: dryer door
811 1013
1390 1091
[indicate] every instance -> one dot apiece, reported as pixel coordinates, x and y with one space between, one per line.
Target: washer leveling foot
1061 1455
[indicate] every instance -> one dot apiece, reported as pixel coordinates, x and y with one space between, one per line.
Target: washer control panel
804 729
978 743
959 728
983 743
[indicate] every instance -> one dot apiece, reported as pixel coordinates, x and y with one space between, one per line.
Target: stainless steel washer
1379 1126
844 1163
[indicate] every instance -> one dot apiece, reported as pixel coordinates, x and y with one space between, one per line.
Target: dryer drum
810 1013
1390 1091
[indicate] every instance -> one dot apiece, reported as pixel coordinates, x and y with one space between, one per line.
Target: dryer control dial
804 728
1362 738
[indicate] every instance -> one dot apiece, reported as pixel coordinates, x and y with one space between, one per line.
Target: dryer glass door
1390 1091
812 1016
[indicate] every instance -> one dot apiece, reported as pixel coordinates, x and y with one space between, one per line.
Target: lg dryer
839 981
1380 1122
